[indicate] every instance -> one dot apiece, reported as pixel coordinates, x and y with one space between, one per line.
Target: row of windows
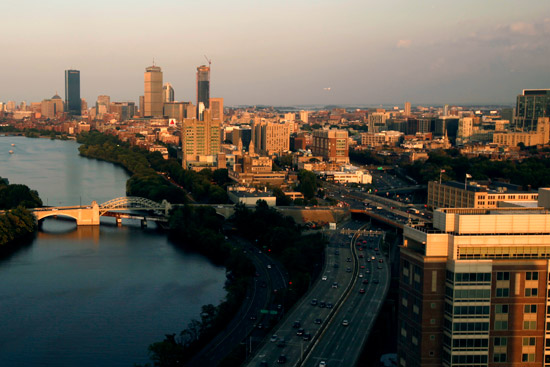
470 343
469 294
470 326
471 310
486 277
469 359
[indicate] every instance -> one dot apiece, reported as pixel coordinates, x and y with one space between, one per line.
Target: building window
503 275
529 325
501 324
432 337
530 309
500 341
531 292
502 292
530 341
432 321
432 305
528 357
532 275
499 357
501 308
431 353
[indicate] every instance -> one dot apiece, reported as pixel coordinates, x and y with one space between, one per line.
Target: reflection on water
91 295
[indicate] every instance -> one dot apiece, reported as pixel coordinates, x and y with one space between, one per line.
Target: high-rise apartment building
216 107
475 288
270 137
72 92
200 138
203 86
153 92
304 116
407 108
530 105
332 145
168 93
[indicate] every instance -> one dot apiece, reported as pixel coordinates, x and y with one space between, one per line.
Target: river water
91 296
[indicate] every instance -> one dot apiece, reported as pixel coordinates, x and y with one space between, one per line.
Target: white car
322 364
345 323
324 277
274 338
269 266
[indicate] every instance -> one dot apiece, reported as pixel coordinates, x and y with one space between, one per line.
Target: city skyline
350 52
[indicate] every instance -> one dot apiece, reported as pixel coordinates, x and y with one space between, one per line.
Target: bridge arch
133 202
45 215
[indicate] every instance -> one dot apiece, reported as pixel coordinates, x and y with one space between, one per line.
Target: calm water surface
91 296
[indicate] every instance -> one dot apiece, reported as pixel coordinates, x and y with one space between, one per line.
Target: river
91 296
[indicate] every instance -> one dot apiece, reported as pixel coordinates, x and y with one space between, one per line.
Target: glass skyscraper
72 92
203 86
530 105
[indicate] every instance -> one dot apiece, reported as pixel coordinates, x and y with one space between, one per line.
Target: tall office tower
474 288
332 145
167 93
446 110
141 105
407 108
153 92
203 86
200 138
216 107
530 105
103 104
72 92
83 106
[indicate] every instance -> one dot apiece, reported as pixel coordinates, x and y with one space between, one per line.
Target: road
341 345
340 267
245 322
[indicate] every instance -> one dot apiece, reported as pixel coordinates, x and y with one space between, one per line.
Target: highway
341 345
324 306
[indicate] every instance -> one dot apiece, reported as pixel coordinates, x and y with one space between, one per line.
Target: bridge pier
118 221
143 223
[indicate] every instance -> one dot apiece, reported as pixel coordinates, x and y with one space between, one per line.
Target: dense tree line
282 238
16 222
534 172
199 229
205 186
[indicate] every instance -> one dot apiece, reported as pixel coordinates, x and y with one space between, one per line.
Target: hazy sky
282 52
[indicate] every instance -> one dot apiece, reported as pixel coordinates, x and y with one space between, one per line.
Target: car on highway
361 256
300 332
365 281
281 343
348 259
376 281
306 337
318 321
379 267
281 359
380 260
345 323
362 266
269 266
314 302
296 324
252 317
322 304
263 364
348 270
329 305
335 285
360 275
324 277
336 265
361 291
322 364
274 338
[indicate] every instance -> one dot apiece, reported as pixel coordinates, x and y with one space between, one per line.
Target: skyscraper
72 92
203 86
407 108
167 93
153 92
216 106
530 105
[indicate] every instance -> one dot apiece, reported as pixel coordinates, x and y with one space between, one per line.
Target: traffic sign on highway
272 312
264 311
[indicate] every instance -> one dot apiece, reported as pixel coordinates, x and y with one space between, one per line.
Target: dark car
281 359
307 337
314 302
318 321
296 324
300 332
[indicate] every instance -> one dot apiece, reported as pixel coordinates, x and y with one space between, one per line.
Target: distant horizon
301 52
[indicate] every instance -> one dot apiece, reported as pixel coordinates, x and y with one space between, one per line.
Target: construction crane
209 61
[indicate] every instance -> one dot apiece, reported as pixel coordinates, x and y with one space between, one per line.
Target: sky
284 52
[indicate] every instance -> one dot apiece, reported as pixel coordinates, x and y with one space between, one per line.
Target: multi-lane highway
352 288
